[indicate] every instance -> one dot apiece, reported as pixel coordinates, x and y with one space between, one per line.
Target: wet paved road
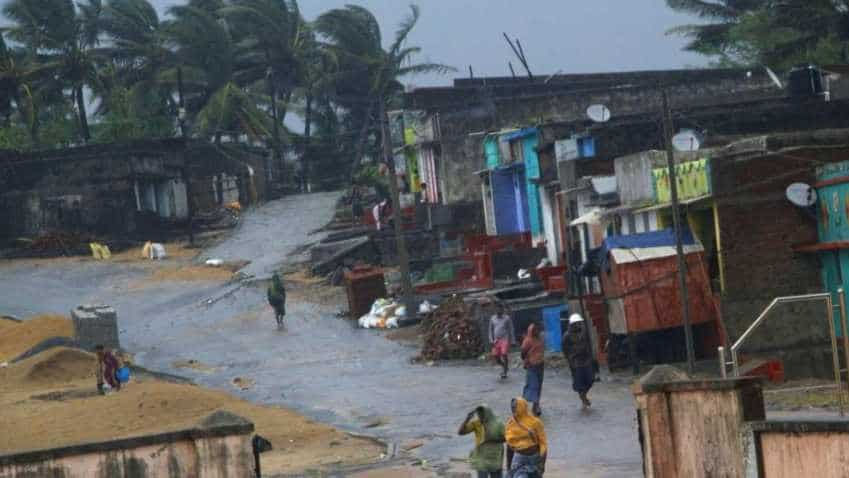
321 366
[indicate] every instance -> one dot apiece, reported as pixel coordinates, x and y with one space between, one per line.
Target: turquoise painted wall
490 149
833 225
532 172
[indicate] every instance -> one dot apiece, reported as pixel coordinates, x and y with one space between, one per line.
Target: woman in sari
527 447
107 366
487 458
533 355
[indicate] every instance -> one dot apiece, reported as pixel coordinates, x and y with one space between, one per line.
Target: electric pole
676 221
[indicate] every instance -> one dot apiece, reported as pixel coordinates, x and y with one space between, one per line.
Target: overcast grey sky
575 36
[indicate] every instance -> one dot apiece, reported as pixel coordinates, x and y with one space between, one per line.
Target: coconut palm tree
59 39
368 76
779 33
374 74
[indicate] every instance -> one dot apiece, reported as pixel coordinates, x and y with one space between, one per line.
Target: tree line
113 70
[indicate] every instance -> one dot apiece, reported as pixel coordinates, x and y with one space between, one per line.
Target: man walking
277 299
501 336
577 349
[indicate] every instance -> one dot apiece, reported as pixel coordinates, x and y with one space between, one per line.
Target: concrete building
493 104
119 189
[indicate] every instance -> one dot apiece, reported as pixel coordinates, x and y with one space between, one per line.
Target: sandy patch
302 276
53 367
186 272
192 365
406 334
49 400
173 250
243 383
18 337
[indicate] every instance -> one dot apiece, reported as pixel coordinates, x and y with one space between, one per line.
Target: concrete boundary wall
219 447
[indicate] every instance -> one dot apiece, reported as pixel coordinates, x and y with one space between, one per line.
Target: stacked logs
451 332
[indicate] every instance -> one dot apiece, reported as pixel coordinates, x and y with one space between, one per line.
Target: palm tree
59 40
356 40
368 76
779 33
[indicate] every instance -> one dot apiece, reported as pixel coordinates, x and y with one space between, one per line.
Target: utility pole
676 221
181 120
400 241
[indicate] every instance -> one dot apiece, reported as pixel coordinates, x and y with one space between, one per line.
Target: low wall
220 447
693 428
785 449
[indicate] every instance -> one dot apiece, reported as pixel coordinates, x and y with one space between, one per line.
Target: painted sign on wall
693 181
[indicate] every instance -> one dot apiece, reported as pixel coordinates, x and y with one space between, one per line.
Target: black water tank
806 82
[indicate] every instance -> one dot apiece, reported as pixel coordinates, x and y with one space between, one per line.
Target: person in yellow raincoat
527 446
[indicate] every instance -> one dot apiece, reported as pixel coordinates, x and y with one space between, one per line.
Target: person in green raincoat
487 458
277 298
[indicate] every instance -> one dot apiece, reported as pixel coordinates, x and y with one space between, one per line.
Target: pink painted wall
211 457
794 455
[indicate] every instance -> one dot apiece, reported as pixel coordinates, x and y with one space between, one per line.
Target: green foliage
225 67
133 114
777 33
13 137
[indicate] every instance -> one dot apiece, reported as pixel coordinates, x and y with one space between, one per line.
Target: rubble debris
451 332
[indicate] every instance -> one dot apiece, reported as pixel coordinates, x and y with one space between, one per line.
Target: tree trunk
361 142
400 242
78 92
305 163
272 92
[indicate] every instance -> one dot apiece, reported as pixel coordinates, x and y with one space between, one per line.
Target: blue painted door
521 192
504 201
553 333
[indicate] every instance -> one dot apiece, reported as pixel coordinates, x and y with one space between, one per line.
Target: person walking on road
577 349
106 369
277 299
527 446
533 356
487 458
501 336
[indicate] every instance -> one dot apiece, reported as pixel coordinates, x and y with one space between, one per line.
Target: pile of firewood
451 332
59 244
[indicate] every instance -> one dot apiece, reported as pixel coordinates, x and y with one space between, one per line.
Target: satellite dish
774 77
687 141
801 194
598 113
